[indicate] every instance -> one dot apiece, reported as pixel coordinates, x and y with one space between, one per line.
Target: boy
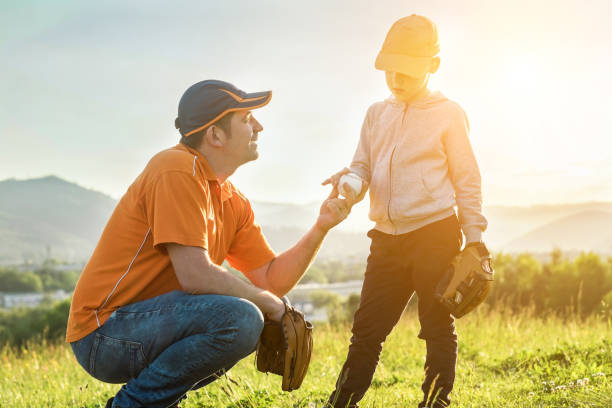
415 155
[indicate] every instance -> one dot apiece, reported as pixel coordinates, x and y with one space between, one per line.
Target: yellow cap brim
404 64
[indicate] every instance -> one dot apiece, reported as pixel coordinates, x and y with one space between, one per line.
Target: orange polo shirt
177 198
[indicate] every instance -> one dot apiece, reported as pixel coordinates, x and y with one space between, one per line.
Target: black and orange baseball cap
206 102
409 47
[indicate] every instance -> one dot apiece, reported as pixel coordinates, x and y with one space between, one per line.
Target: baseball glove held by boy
467 282
285 348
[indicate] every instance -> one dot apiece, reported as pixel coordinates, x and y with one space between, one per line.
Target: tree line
561 286
45 278
580 287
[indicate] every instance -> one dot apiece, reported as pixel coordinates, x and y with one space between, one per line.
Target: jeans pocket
115 360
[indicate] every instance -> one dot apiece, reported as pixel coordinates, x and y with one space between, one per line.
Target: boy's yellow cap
409 47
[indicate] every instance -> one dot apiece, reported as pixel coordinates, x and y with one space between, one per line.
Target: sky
89 90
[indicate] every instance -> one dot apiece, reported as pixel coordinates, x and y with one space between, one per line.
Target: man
153 308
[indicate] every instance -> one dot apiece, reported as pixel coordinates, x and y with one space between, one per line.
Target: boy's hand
334 179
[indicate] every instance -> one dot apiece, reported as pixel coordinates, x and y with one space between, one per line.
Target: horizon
104 101
358 205
46 202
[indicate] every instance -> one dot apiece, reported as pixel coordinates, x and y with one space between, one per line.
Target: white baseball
350 185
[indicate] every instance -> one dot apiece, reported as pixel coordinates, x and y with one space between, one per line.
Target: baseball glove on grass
285 347
467 282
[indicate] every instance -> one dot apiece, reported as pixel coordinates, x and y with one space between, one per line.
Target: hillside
507 223
590 229
49 215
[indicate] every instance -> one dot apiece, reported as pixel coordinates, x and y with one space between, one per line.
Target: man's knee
248 322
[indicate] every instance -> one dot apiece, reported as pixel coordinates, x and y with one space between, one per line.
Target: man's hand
285 348
333 211
285 271
271 305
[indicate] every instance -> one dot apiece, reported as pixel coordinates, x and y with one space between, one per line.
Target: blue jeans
165 346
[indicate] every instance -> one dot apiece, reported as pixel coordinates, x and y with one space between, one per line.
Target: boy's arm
465 177
361 159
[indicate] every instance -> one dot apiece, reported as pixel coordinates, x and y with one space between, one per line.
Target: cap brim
404 64
248 102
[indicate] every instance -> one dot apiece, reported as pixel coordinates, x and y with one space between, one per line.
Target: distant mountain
508 225
591 229
50 216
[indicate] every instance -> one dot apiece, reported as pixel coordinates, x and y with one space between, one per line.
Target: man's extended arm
284 271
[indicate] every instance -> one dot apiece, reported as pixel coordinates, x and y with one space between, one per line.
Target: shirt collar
209 173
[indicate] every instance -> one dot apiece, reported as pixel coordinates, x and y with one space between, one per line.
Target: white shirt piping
121 278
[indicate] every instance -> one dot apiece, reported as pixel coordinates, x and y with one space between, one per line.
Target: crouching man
153 308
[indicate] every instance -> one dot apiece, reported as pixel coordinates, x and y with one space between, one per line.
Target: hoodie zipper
390 172
389 190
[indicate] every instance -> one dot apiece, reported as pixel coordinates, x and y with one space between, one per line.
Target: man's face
241 143
406 88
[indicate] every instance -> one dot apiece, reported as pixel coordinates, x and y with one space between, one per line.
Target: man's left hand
333 211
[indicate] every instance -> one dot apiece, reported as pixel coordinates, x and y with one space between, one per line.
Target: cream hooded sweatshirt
420 164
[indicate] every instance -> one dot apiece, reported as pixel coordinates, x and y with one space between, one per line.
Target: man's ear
435 64
215 136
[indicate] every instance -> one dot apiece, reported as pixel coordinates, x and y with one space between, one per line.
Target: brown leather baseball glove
285 348
467 282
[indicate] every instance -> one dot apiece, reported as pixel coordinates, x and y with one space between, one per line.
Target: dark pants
397 267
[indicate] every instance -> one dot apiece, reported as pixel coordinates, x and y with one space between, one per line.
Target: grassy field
504 361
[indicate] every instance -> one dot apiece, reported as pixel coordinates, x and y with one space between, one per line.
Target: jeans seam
123 312
145 360
134 359
92 354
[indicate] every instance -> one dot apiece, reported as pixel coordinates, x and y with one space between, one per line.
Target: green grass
504 361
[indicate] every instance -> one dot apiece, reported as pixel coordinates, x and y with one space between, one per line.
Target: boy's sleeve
361 159
176 208
465 176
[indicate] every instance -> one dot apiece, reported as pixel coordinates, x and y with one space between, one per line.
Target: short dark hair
195 139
